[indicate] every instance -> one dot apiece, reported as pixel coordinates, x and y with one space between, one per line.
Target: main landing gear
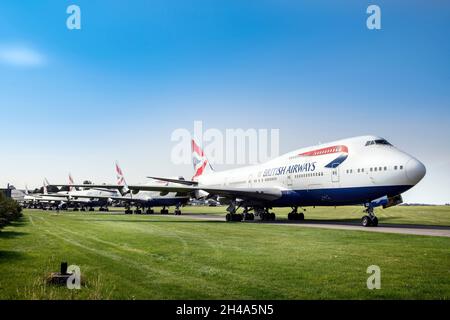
128 210
177 211
369 220
294 215
232 215
248 216
164 210
263 213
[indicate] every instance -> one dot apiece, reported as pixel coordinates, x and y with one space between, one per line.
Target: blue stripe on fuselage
336 196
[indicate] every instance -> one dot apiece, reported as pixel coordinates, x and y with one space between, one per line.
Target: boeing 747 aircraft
148 199
365 170
89 197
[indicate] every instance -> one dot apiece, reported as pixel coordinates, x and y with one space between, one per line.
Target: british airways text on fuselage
296 168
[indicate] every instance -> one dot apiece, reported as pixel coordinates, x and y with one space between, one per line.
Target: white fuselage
349 171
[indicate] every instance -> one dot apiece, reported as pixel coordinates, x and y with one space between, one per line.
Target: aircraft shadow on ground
158 221
6 256
11 234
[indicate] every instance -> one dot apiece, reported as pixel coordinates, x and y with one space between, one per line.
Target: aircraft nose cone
415 170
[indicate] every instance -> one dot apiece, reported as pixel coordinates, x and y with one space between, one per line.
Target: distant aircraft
89 197
42 200
149 199
365 170
30 200
142 200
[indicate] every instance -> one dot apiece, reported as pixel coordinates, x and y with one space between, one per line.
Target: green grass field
159 257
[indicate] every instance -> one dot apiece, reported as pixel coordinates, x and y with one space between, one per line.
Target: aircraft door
335 173
250 181
289 181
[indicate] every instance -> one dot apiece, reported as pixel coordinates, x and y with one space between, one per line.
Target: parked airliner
365 170
89 197
146 200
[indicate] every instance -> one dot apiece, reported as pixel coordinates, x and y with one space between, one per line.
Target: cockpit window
382 141
378 141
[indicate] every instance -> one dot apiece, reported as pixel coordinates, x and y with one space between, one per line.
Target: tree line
9 210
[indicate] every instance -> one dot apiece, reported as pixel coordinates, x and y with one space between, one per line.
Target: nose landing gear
369 220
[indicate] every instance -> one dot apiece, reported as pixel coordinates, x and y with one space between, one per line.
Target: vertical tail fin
121 180
45 186
199 160
71 183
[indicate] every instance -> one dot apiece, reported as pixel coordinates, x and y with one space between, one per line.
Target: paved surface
436 231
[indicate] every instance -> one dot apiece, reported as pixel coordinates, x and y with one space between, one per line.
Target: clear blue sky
116 89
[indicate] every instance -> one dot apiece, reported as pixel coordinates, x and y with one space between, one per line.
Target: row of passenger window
373 169
307 175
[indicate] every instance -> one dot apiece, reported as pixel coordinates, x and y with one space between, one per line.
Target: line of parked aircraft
365 170
87 197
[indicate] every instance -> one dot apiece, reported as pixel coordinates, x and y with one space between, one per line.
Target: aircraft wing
228 192
56 195
85 196
90 186
185 182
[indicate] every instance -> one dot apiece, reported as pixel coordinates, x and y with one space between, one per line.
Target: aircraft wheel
228 217
366 221
178 212
91 209
301 216
137 211
272 216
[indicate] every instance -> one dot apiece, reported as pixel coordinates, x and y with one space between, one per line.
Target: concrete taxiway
422 230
